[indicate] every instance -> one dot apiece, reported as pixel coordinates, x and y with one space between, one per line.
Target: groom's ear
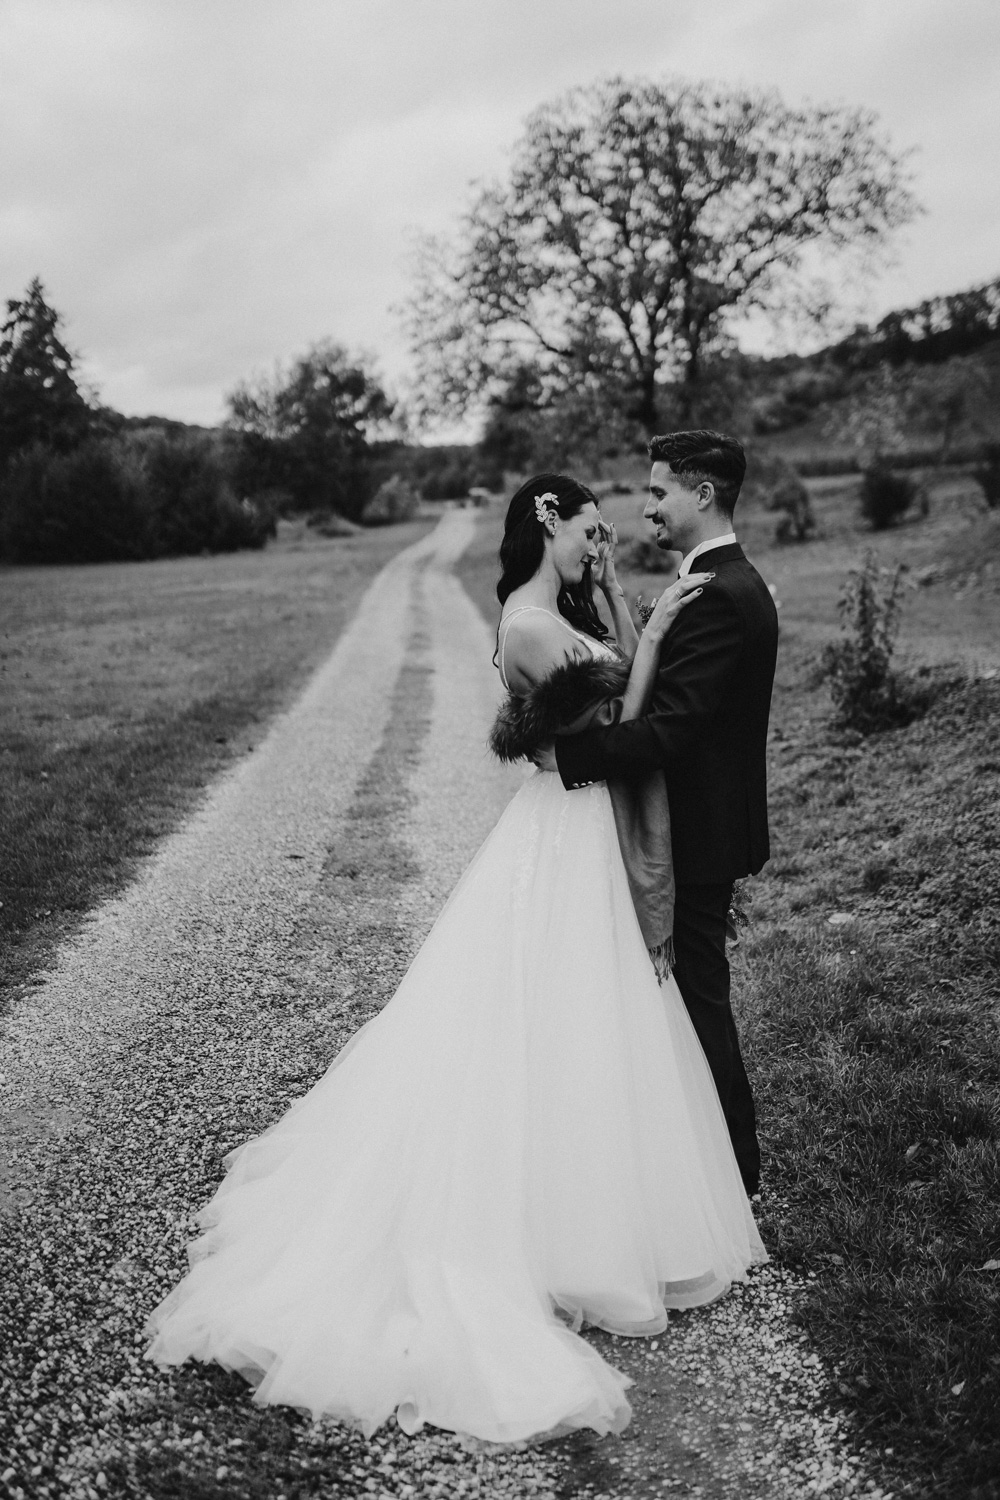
706 494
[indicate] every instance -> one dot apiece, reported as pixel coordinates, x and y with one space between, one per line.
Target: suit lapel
705 562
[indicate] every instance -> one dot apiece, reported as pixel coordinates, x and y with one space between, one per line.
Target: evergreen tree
40 401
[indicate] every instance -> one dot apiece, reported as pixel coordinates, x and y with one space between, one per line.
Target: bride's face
574 545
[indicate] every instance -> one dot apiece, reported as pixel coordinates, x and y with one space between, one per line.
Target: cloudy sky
205 186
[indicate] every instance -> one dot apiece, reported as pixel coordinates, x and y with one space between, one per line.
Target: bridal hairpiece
541 504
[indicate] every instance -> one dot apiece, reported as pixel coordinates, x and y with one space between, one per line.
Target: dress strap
521 610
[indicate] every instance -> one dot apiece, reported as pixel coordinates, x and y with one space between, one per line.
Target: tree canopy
639 219
930 333
306 431
40 401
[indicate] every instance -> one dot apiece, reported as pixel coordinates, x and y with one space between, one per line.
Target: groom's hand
545 757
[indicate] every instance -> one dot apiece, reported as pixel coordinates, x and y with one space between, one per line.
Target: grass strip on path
125 687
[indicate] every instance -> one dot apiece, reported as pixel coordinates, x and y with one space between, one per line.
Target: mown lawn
125 686
874 1039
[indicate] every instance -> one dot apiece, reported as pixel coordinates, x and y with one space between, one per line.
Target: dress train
527 1138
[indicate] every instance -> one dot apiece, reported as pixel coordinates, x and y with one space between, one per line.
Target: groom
706 726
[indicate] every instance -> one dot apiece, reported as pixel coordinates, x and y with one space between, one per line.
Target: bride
527 1138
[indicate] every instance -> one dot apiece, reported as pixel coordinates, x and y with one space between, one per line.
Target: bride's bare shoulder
534 643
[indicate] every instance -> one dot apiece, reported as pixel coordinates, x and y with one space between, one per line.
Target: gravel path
237 871
187 1014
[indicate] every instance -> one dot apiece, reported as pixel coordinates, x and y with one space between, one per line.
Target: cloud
205 187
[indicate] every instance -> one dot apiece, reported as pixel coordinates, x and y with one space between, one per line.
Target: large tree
40 401
307 431
639 220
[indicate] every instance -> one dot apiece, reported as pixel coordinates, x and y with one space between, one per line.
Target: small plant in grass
885 496
867 693
797 522
778 486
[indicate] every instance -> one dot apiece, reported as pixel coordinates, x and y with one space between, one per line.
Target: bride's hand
602 572
673 600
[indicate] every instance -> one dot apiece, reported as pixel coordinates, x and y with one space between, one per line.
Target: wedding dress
525 1139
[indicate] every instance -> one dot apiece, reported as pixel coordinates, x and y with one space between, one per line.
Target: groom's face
673 509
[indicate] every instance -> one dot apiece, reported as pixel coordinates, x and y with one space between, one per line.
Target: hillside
924 379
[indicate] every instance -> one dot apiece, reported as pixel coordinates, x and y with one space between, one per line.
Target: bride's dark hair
523 547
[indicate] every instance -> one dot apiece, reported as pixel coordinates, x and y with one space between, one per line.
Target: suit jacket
706 725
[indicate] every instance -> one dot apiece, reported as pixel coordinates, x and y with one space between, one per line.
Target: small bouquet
737 917
644 610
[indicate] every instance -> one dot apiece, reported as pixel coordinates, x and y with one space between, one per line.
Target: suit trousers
702 974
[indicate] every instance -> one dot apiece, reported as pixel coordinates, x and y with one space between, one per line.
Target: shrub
329 523
183 479
139 495
798 523
773 481
240 523
988 474
646 557
196 511
393 501
452 482
867 694
819 464
795 397
90 505
885 496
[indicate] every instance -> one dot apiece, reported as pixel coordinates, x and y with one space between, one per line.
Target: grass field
874 1040
126 686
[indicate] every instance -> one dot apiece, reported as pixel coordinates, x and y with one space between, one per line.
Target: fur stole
588 695
576 696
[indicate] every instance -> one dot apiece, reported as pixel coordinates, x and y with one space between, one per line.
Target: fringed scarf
585 695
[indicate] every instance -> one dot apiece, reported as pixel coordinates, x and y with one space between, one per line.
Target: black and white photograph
499 750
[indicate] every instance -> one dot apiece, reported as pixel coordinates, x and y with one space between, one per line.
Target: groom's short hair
700 455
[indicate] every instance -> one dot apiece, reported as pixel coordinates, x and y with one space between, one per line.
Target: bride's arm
622 624
533 646
647 655
604 576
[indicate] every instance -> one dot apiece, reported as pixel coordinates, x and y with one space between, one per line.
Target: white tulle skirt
525 1139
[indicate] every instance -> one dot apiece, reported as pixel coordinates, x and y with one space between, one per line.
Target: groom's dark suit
707 728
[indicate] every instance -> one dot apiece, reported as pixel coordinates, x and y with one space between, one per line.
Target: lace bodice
596 648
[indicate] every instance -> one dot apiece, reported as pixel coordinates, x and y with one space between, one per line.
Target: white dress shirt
713 541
